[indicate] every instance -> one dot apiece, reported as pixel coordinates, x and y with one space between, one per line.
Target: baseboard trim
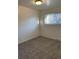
38 37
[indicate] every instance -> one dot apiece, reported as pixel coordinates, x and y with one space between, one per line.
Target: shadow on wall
28 24
28 27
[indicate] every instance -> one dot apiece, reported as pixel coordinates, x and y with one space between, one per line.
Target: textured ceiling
48 4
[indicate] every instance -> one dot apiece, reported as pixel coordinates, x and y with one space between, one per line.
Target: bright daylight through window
54 18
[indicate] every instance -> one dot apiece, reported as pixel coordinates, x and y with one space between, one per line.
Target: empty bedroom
39 29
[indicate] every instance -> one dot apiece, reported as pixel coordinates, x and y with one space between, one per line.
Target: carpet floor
40 48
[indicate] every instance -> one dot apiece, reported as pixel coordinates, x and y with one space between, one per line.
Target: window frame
49 14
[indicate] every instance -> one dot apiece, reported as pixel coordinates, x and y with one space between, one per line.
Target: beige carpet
40 48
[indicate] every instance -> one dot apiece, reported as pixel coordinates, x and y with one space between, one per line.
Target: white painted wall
50 31
28 24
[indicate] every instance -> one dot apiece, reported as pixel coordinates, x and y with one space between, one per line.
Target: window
54 18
